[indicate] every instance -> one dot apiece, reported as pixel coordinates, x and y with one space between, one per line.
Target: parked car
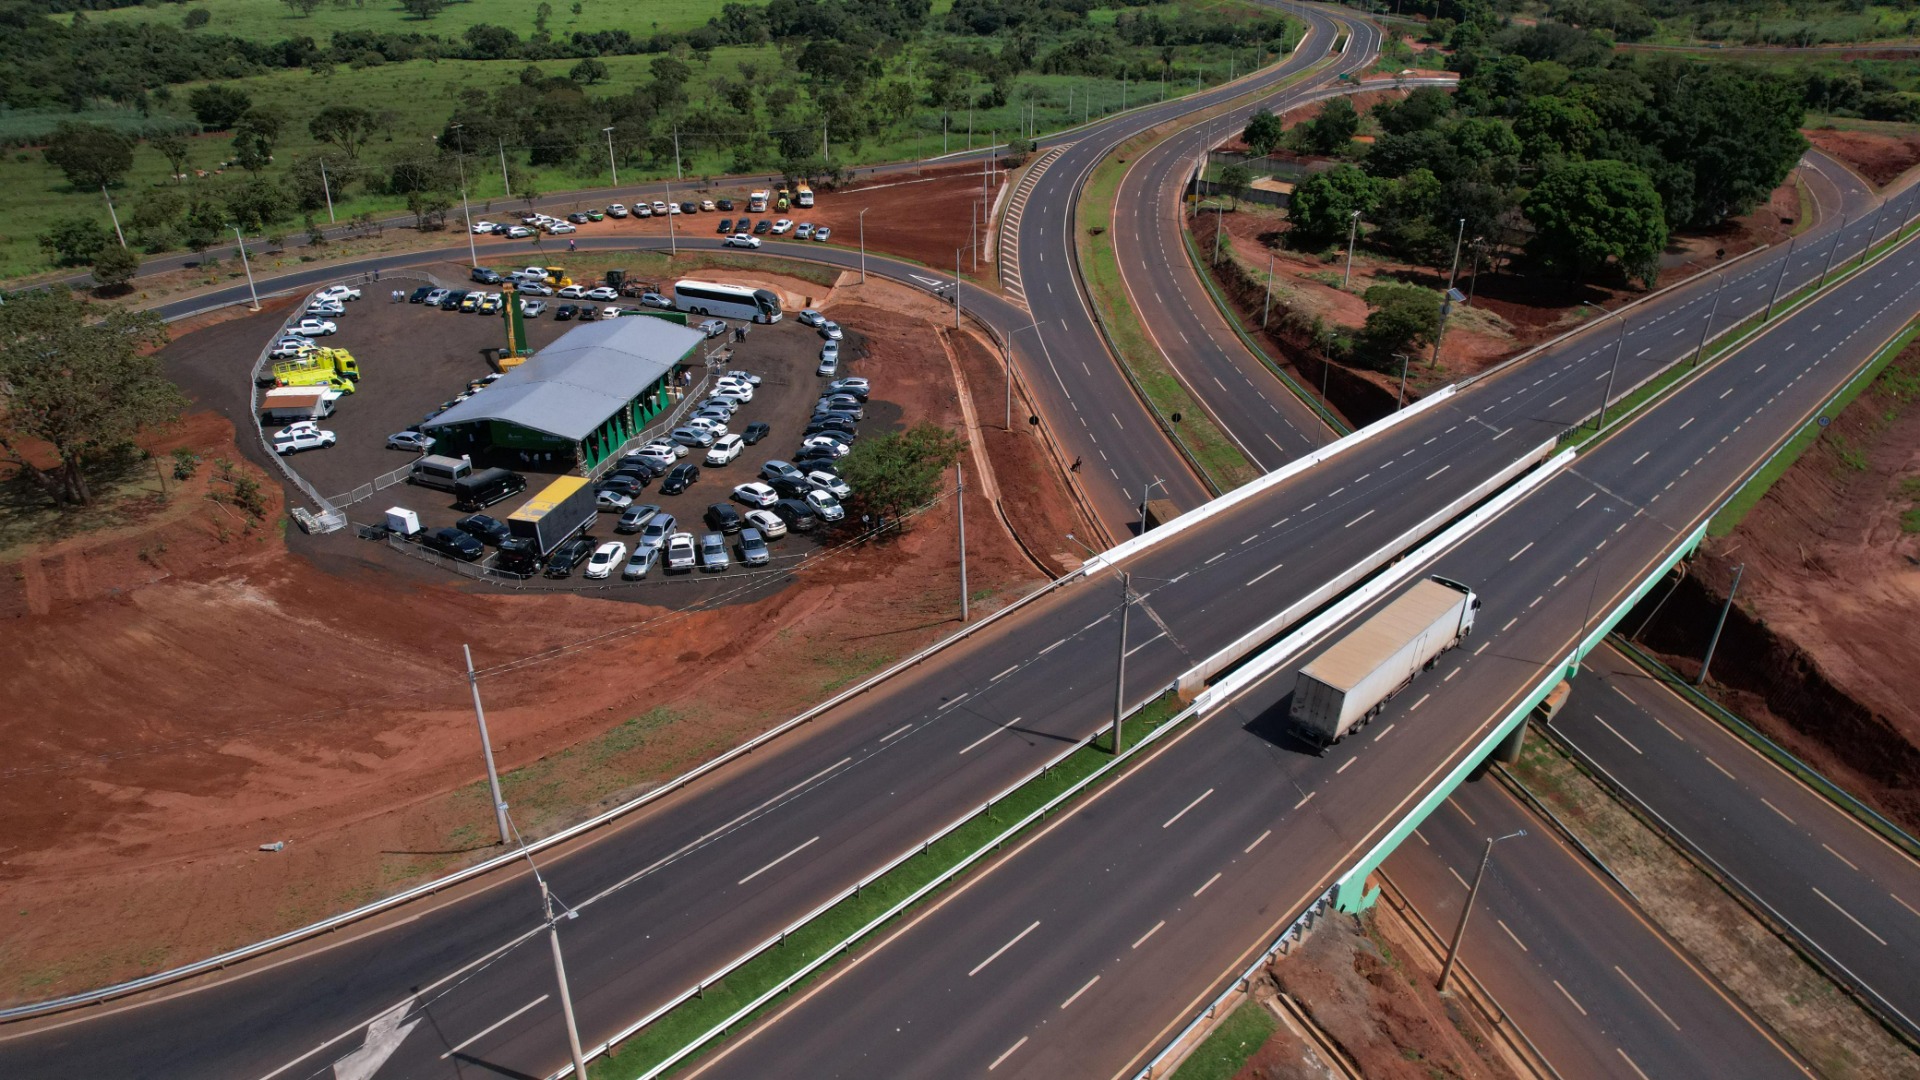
490 530
829 483
588 313
825 505
535 288
767 522
820 234
617 211
625 483
298 425
782 227
573 292
659 207
654 299
491 303
313 328
725 449
640 563
829 363
325 308
707 205
826 441
692 436
635 517
420 294
723 518
839 427
569 555
713 328
454 544
483 275
831 330
734 388
657 531
288 349
789 488
713 553
342 293
756 494
577 218
680 552
303 439
483 228
604 558
760 228
532 309
663 448
518 232
688 207
680 478
609 499
565 312
803 231
561 229
725 204
642 210
410 440
603 293
773 469
753 548
471 301
856 385
437 297
797 514
725 226
755 432
810 317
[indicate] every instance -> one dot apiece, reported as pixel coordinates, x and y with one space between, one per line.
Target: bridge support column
1508 751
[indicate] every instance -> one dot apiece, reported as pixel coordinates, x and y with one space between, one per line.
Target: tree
197 18
488 42
894 473
1403 317
1407 215
174 147
1233 182
91 156
1731 134
1263 133
588 72
114 267
78 383
253 139
219 106
1323 204
1422 109
1550 127
1587 214
1332 131
345 126
423 9
75 241
302 8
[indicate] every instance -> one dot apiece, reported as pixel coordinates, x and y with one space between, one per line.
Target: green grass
1230 1045
684 1025
271 20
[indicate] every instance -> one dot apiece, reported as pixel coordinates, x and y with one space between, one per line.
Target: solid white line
1649 997
1189 806
1722 768
1849 915
1150 933
1147 642
991 734
776 862
1210 881
490 1028
1016 1046
1248 850
998 951
1082 990
901 730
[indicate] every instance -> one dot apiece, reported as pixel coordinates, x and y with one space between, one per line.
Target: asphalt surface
1853 898
1218 838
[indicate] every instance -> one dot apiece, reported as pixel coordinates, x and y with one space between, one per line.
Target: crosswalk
1009 240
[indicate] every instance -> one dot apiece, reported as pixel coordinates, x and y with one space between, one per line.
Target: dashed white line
1722 768
1647 996
1082 990
1149 933
1005 673
1848 914
1210 881
777 862
491 1028
901 730
1616 733
1189 806
1310 795
1248 850
1023 1041
996 955
990 734
1519 553
1777 810
1570 998
1841 857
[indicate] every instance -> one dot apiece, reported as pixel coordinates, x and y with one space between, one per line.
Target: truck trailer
562 509
297 403
1347 685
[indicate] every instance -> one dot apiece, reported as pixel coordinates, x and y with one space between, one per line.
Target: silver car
657 532
713 553
692 436
753 548
639 563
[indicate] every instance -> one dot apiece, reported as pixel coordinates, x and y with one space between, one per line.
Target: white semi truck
1348 684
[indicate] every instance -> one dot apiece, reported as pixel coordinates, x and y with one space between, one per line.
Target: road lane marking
1630 1064
1147 642
1841 857
1345 766
491 1028
1514 936
1649 997
1510 623
1438 471
777 862
1642 457
1248 850
963 696
1722 768
1684 427
1519 553
1082 990
1904 904
901 730
1264 573
1617 735
1018 1045
1150 933
1357 520
1669 730
1306 800
1383 733
996 956
1848 914
1585 501
1189 806
1210 881
1422 701
1779 811
991 734
1458 878
1570 998
1215 559
1005 673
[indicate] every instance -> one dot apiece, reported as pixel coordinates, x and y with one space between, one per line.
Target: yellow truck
316 376
338 361
802 195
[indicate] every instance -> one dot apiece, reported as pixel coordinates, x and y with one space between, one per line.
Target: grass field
418 96
271 20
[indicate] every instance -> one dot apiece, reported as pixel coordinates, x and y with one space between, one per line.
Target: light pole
460 158
1266 308
1120 676
615 165
1479 245
1615 369
1714 643
960 514
560 977
486 750
114 214
1453 951
1400 402
1872 232
1353 233
1006 355
1457 238
1145 498
326 188
1833 249
1711 312
248 267
1781 280
863 244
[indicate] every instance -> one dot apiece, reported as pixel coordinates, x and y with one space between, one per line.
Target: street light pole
863 244
1120 679
1614 370
615 165
1714 643
960 512
114 214
1872 232
560 976
1453 951
486 750
1144 498
1266 308
466 210
326 189
1781 280
1457 238
1833 250
1353 233
248 267
1711 312
1401 401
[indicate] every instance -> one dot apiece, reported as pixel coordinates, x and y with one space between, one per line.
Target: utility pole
1833 250
248 267
1711 312
1120 679
677 173
326 188
960 513
1618 347
505 184
1453 951
1353 233
673 242
114 214
460 159
1872 232
1266 308
1781 280
560 976
486 750
1457 237
1714 643
1400 402
943 132
956 288
863 244
615 165
1473 281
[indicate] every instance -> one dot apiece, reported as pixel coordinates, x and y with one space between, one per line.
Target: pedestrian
570 245
376 275
1075 467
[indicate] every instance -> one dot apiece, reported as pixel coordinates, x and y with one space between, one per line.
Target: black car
455 544
723 518
569 555
725 205
588 313
645 470
453 300
840 429
565 312
790 488
640 475
481 527
517 556
845 419
680 478
725 226
689 207
762 226
816 465
625 485
420 294
755 432
797 514
485 276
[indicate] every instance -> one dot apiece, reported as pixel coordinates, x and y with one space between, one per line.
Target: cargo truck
802 195
757 202
1347 685
335 361
290 403
316 375
563 508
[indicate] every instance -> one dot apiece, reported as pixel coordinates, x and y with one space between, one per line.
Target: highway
1060 942
1850 895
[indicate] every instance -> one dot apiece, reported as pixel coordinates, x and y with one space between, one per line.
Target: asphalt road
1597 990
1853 898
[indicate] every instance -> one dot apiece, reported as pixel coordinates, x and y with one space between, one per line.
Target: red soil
1879 158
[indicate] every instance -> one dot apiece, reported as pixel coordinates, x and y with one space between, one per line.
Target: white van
439 471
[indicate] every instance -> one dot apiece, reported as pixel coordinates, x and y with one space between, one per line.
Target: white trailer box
403 521
298 403
1346 686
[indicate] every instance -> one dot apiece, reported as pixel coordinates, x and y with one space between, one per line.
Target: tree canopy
91 156
1323 204
1587 215
894 473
